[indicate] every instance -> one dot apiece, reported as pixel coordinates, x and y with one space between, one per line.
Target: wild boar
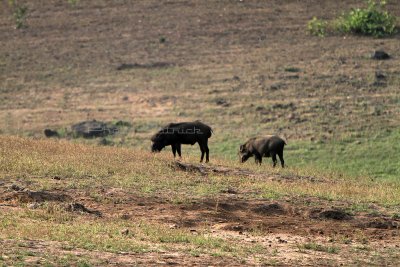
265 146
175 134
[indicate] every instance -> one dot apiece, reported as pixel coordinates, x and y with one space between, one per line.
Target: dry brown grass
88 172
254 55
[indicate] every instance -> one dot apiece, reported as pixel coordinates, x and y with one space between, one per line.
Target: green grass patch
372 20
318 247
373 155
369 155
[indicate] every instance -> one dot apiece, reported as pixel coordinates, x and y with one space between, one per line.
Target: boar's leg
207 151
174 149
202 151
258 158
178 148
273 154
280 154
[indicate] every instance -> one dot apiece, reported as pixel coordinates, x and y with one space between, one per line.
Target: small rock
125 232
229 191
276 86
51 133
266 120
125 217
33 205
78 207
239 228
222 102
380 75
173 226
380 55
15 187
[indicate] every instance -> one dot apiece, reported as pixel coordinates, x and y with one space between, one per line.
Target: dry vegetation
245 68
142 208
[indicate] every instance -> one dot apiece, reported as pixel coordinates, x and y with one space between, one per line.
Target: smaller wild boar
265 146
175 134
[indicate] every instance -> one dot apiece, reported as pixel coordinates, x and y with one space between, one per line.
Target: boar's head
159 142
244 153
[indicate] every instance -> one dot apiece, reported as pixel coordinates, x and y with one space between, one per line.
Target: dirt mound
382 224
27 196
330 214
269 209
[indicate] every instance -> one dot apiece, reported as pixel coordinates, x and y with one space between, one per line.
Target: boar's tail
210 133
285 140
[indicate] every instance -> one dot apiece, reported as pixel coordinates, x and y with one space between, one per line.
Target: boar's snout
243 157
155 148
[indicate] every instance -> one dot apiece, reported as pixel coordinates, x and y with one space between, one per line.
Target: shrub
73 2
370 21
317 27
19 13
20 16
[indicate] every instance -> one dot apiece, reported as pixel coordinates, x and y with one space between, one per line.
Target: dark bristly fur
265 146
176 134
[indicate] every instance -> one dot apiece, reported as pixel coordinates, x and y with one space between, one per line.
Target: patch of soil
128 66
330 214
269 209
27 196
382 224
237 216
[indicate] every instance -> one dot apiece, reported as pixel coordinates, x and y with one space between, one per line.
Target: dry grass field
246 68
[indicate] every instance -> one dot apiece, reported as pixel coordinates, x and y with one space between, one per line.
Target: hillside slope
252 63
64 203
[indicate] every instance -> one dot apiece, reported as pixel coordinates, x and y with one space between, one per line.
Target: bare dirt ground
255 58
241 66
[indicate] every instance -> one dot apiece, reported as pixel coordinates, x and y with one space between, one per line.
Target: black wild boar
266 146
175 134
